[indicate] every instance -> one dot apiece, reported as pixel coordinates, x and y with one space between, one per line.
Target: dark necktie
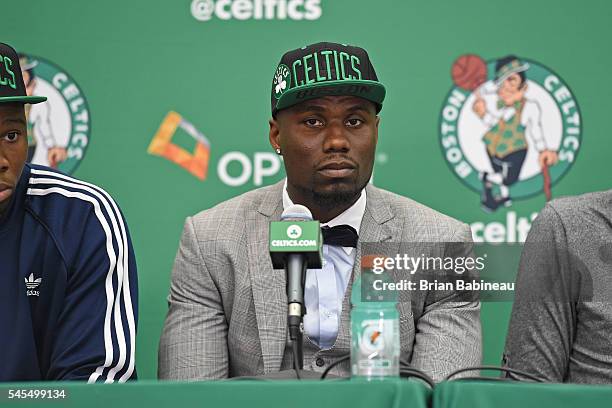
340 235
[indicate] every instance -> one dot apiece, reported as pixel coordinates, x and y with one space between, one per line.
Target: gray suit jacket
562 315
227 306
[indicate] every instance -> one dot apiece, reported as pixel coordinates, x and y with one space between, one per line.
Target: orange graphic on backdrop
195 162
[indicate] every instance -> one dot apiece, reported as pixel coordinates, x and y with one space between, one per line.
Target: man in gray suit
562 315
228 308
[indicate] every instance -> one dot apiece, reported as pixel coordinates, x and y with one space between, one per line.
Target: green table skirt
228 394
483 394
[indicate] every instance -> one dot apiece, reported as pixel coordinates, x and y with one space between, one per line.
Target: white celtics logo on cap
58 129
294 231
282 80
510 128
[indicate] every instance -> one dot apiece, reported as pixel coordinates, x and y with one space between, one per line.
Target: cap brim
516 70
371 90
23 99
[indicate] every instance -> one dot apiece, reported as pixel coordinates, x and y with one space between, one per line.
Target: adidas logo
32 284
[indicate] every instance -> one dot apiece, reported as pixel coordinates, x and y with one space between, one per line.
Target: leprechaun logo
281 80
510 128
59 129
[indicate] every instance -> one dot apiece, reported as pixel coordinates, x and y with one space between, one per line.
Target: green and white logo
305 237
282 80
510 128
294 231
60 128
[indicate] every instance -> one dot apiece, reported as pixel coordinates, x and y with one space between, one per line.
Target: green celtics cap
507 66
325 69
12 88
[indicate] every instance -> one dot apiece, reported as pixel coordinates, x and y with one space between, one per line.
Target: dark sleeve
96 331
542 323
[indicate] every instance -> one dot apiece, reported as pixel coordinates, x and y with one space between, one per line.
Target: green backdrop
136 61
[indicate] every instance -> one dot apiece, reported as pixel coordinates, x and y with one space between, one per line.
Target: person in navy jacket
68 284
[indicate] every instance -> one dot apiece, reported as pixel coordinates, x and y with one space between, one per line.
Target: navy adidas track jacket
68 286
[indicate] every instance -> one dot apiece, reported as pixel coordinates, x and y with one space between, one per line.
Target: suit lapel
268 285
376 226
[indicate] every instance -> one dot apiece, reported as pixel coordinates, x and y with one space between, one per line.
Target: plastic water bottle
375 336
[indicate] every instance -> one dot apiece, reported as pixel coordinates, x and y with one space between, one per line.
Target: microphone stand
295 305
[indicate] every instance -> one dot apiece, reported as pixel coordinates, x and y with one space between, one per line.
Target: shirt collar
351 216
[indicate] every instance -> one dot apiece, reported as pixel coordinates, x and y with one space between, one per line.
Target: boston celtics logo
59 129
281 81
510 128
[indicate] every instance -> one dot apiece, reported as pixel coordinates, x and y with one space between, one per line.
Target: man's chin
4 203
336 194
5 196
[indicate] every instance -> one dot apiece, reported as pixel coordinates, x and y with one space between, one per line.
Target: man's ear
274 134
377 122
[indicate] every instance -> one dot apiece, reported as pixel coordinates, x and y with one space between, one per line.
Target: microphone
295 245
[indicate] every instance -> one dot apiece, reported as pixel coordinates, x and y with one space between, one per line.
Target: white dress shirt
324 289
